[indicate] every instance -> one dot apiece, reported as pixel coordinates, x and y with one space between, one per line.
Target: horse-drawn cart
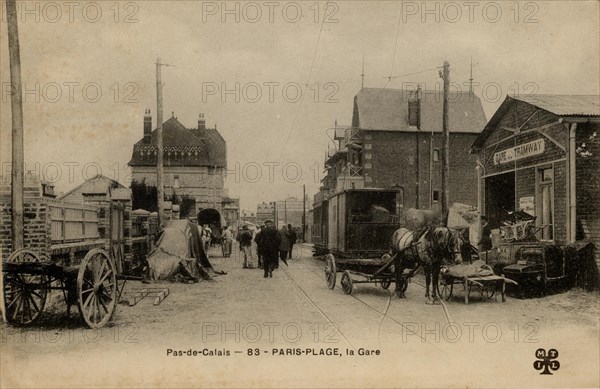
78 249
93 286
360 223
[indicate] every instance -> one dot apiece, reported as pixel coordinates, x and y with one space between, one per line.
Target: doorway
499 197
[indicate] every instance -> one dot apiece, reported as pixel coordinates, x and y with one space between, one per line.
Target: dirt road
244 330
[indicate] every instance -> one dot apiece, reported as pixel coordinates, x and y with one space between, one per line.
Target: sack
475 269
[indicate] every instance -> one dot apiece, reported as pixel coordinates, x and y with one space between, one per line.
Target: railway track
383 313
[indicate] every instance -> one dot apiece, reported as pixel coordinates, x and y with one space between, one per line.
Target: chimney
414 109
201 122
147 126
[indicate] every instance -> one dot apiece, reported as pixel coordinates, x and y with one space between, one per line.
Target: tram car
356 223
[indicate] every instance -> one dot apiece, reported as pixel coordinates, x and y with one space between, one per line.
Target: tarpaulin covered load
179 255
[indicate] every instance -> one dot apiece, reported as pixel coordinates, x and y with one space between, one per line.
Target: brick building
395 140
541 154
195 162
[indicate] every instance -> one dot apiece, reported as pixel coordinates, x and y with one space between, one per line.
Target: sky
273 76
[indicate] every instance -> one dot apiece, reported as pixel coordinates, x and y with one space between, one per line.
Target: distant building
94 189
195 162
248 217
395 140
264 211
231 212
290 211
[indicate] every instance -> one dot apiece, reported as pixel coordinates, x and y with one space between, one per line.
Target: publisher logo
547 361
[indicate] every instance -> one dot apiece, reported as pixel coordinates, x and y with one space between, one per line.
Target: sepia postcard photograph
299 194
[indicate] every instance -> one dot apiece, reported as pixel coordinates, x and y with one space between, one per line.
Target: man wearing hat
269 244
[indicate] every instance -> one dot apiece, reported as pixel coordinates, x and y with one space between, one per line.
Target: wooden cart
487 286
76 263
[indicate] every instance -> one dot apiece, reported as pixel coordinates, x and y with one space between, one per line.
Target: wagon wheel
24 294
346 282
488 290
445 289
96 288
330 271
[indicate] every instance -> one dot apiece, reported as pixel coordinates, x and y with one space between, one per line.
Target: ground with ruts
291 330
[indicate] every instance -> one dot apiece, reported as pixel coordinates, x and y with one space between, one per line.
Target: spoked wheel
346 282
330 271
488 290
24 294
445 290
96 288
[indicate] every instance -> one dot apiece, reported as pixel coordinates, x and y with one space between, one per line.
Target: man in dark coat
269 243
293 237
245 239
284 245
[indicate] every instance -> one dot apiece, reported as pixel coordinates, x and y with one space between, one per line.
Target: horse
428 247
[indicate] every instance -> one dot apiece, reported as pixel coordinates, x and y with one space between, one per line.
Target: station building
541 154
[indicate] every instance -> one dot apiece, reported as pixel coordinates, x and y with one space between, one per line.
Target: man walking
227 242
245 239
269 245
292 237
284 246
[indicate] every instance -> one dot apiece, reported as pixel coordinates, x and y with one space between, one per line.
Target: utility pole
362 75
304 212
16 105
159 145
446 143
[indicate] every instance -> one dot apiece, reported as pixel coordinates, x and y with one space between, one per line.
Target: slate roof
559 105
565 105
182 147
387 109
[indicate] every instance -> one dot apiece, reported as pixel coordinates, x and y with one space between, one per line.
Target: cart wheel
445 290
488 290
96 288
330 271
24 294
385 284
346 282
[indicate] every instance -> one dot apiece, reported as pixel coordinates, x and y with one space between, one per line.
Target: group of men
273 245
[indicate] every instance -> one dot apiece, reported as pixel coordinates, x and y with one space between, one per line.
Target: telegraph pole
16 105
159 145
446 143
304 212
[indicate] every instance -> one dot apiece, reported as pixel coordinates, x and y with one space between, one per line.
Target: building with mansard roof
195 163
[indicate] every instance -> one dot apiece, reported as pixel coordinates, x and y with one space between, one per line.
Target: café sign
525 150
